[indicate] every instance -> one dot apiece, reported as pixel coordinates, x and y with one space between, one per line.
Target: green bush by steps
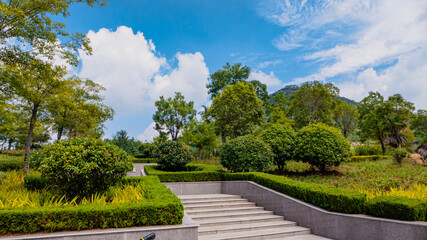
324 196
401 208
162 208
144 160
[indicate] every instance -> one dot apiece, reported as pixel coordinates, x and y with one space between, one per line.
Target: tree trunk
10 141
30 137
60 131
382 145
223 138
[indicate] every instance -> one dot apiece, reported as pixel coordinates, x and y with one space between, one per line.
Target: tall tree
228 75
345 117
33 87
419 125
172 115
236 110
202 137
129 145
313 102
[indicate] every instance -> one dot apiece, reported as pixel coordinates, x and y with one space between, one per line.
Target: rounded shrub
173 155
398 154
281 139
83 166
321 146
245 154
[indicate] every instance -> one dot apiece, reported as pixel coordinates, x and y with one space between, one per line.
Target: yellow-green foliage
13 194
417 191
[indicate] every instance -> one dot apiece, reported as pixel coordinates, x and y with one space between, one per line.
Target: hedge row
324 196
369 158
11 164
163 208
144 160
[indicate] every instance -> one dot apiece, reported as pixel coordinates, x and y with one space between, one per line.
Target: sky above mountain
144 49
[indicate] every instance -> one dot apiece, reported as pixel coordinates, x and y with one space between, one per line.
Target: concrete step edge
275 233
243 227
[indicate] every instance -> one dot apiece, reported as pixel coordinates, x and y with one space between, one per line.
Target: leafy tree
261 91
34 29
236 110
419 125
281 139
279 116
345 117
313 102
173 115
201 136
122 140
33 87
321 146
226 76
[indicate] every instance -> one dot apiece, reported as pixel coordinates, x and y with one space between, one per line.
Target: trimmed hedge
325 196
12 164
144 160
163 208
401 208
369 158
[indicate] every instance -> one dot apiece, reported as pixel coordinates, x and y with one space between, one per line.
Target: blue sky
147 48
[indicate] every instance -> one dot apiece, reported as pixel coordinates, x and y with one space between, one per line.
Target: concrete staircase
223 216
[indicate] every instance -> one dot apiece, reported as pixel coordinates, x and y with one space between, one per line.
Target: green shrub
11 164
163 208
173 155
245 154
34 182
368 149
281 139
321 146
192 173
401 208
144 160
83 166
398 154
369 158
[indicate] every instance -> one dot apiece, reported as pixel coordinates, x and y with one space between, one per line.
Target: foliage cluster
160 207
245 154
368 149
8 163
173 155
83 166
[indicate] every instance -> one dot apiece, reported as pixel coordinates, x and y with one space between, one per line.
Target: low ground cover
10 162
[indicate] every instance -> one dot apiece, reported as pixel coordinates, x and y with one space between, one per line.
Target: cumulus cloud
367 36
268 79
135 74
148 134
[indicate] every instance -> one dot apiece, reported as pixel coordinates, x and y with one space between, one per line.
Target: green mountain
288 90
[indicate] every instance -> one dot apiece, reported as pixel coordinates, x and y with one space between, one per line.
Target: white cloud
128 65
268 79
376 32
269 63
148 134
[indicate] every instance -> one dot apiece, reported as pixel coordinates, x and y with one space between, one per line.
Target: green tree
313 102
202 137
419 125
30 30
226 76
236 110
172 115
122 140
261 92
345 117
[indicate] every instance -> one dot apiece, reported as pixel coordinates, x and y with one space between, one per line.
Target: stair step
223 215
208 197
303 237
204 230
221 210
218 205
259 234
189 202
238 220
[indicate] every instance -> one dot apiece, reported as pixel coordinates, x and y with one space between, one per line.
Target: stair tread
228 214
221 205
303 237
239 219
198 211
247 234
271 224
207 201
204 196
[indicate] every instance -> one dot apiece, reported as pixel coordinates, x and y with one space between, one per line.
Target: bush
144 160
246 153
11 164
368 149
83 166
281 139
162 208
173 155
398 154
369 158
34 182
321 146
401 208
192 173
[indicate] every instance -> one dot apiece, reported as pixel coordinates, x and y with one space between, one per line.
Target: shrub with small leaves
173 155
321 146
281 139
83 166
245 154
398 154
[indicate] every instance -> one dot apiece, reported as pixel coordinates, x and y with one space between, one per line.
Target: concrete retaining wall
322 222
187 230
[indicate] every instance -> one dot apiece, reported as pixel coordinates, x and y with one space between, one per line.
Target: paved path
138 169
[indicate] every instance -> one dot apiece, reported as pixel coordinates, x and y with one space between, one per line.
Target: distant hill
288 90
